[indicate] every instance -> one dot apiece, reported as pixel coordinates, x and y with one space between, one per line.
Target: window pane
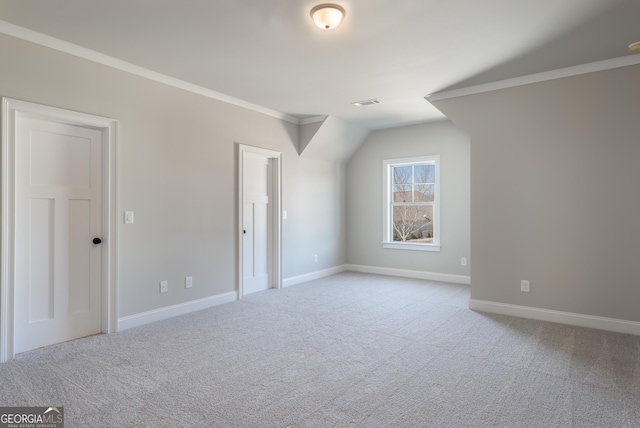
402 193
413 223
404 196
402 184
423 192
425 173
402 175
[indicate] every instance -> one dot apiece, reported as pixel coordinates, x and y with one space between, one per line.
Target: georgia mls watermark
31 417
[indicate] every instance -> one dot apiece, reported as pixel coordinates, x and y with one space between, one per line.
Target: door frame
11 110
274 222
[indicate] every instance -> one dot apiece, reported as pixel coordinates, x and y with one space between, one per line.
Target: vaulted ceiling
269 53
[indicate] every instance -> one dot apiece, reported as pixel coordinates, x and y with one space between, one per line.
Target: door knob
97 241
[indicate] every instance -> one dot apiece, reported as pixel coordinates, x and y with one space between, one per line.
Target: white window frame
387 200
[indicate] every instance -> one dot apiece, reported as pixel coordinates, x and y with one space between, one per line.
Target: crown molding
560 73
94 56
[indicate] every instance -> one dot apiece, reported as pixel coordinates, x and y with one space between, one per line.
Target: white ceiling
269 53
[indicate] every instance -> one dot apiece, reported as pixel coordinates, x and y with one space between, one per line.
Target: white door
255 212
58 203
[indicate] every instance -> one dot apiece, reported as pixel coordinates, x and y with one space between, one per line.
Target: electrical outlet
188 282
525 285
315 258
164 286
463 261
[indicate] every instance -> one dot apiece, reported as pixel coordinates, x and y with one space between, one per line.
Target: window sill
410 246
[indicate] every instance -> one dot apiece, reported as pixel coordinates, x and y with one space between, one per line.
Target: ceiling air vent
366 102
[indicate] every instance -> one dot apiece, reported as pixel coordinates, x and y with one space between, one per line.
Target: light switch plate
128 217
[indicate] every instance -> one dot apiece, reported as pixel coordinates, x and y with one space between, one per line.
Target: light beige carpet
348 350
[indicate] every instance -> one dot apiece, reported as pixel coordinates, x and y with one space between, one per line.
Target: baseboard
431 276
143 318
580 320
295 280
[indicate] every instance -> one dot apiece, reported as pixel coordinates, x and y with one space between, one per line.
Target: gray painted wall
316 215
555 173
364 197
177 172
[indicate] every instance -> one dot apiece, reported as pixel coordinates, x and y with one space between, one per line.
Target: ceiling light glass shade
327 16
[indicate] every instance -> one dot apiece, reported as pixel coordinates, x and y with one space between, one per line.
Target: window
412 203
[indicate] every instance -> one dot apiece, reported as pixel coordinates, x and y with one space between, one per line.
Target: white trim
275 271
431 276
6 237
295 280
10 110
397 245
166 312
571 318
560 73
109 61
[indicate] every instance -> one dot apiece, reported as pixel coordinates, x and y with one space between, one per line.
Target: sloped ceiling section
332 139
604 36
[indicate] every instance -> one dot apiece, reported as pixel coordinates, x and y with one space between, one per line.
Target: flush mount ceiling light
634 47
327 16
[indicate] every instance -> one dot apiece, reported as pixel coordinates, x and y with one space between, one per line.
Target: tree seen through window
413 195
